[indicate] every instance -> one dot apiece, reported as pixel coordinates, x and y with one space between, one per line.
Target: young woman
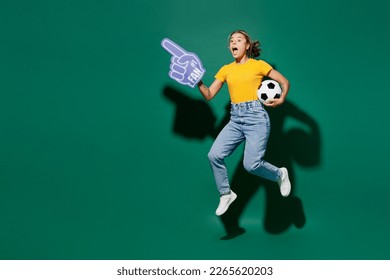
249 121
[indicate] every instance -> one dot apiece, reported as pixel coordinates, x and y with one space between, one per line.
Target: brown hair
254 48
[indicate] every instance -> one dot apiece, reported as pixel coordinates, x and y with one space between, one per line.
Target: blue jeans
249 121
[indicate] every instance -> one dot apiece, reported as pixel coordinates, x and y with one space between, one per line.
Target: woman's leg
224 145
256 131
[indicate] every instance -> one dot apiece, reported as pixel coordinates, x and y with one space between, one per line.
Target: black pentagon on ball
277 96
271 85
264 96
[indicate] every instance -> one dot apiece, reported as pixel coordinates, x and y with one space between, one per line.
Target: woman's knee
214 156
251 166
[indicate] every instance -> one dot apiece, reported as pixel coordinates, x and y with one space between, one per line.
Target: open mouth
234 49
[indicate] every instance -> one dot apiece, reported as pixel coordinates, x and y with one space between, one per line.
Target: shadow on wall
194 119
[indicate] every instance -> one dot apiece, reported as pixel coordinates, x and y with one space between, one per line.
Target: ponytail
254 49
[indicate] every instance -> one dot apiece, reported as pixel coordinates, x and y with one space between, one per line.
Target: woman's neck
242 60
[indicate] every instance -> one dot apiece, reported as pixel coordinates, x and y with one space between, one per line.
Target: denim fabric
249 121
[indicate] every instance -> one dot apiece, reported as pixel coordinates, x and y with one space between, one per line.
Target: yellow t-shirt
243 80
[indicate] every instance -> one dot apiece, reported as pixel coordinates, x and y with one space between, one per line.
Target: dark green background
93 166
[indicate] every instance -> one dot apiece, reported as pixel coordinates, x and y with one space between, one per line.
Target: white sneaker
224 203
284 182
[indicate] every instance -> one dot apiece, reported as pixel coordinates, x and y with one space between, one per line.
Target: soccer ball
269 89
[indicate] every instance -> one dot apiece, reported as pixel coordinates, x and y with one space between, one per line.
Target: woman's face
238 45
